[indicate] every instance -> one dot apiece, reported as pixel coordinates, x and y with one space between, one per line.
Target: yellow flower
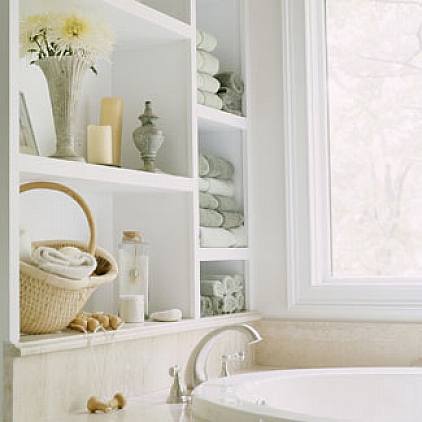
65 34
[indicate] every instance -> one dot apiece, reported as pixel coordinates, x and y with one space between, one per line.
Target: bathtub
313 395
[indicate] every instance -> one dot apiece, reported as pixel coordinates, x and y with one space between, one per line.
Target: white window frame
311 291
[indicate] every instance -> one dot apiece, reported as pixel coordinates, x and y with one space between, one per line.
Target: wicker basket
49 302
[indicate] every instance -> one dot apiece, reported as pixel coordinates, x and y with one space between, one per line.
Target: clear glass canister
133 266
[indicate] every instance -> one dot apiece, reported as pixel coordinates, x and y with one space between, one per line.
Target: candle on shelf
111 114
99 144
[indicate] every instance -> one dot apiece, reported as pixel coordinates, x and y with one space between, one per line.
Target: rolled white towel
240 235
207 83
206 306
240 301
210 218
217 305
219 167
227 203
203 184
207 63
239 283
212 288
205 41
226 280
203 166
209 100
228 304
207 201
68 262
216 237
222 187
231 219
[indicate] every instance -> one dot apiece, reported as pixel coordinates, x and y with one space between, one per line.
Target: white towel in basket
68 262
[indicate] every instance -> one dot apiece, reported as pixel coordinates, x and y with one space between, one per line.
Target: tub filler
313 395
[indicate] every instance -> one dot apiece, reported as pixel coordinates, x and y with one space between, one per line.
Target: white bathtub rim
206 405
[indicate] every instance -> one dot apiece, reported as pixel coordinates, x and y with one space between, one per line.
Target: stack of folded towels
220 217
222 294
207 66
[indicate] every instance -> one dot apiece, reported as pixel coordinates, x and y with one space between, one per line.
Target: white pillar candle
111 114
99 144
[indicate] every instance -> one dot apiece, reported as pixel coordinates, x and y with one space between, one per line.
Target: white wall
267 155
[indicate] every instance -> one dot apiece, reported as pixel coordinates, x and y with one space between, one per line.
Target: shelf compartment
223 254
136 25
213 120
97 178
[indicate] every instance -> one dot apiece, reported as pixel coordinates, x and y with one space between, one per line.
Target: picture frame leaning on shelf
27 142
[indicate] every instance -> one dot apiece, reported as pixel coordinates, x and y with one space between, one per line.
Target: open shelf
97 178
212 120
68 339
223 254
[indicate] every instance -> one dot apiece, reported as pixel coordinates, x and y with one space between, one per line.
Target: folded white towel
207 83
210 218
227 203
212 288
208 99
222 187
205 41
241 237
207 63
207 201
216 237
219 167
68 262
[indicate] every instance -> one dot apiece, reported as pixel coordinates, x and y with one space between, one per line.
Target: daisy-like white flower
60 34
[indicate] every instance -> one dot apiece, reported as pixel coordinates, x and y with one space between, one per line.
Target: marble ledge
67 340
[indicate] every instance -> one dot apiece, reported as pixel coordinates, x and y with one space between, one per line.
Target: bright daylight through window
374 68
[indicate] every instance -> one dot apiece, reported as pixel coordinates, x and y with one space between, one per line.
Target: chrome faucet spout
199 374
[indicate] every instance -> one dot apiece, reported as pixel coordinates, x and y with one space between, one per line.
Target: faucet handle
177 391
225 359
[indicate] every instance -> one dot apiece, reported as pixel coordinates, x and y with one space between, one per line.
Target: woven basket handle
76 197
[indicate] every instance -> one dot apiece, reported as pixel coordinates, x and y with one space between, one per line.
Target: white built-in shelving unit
154 59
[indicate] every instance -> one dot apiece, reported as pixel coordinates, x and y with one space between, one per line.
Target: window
353 78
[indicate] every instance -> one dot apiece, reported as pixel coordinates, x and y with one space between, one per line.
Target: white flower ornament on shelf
65 34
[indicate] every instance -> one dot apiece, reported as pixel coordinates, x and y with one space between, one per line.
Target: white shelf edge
109 179
211 119
223 254
152 16
68 340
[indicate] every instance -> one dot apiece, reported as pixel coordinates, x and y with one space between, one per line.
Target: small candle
111 114
99 144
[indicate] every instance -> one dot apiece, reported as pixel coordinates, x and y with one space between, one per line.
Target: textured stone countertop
148 408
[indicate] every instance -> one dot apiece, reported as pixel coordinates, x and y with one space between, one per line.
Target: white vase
64 77
148 139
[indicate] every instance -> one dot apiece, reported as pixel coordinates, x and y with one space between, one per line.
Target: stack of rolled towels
207 66
222 294
220 217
